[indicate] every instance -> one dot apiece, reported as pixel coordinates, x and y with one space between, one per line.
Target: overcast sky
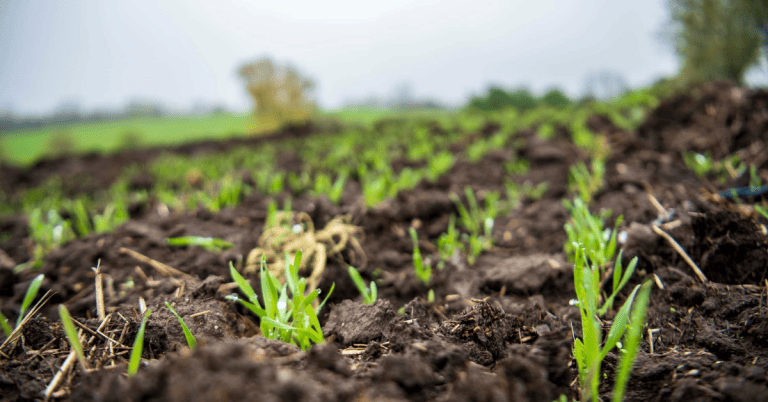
105 53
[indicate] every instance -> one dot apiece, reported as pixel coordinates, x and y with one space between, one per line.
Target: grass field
25 146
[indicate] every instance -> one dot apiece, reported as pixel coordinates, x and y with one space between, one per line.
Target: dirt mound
716 117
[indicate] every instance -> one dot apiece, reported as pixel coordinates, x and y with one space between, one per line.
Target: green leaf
138 346
191 341
71 332
5 325
619 325
632 342
29 297
244 286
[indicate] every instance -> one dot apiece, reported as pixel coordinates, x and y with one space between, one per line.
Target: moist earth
501 329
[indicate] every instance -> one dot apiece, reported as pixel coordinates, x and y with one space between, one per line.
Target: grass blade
632 342
138 346
619 324
34 287
71 332
191 341
6 327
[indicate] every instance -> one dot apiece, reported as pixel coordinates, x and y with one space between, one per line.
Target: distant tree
278 92
716 39
497 98
556 98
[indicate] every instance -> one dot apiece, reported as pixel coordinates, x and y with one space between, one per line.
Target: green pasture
25 146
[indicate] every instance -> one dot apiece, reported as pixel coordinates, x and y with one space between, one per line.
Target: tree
556 98
278 92
716 39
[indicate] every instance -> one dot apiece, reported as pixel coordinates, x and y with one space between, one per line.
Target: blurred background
141 72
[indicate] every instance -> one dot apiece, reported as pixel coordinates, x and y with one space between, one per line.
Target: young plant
334 190
590 351
369 295
72 336
585 182
82 220
208 243
191 341
701 164
292 320
115 214
138 346
29 297
586 230
449 243
423 271
478 222
440 164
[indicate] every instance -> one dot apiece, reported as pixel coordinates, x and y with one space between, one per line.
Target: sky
102 54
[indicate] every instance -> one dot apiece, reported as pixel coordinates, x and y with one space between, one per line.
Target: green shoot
631 342
72 337
7 329
30 296
369 295
423 271
440 164
431 296
585 182
449 243
588 351
291 320
138 346
477 221
191 341
619 281
762 211
115 214
208 243
585 229
82 220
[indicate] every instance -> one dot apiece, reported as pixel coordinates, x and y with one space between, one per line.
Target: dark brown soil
499 330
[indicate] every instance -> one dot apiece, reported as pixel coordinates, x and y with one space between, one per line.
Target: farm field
472 226
23 147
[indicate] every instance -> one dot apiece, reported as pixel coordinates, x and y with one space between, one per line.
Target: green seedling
517 167
440 164
587 183
332 189
762 211
291 320
449 243
423 271
72 336
29 297
191 341
535 192
620 279
478 222
585 229
82 220
590 351
369 295
138 346
208 243
48 233
701 164
115 214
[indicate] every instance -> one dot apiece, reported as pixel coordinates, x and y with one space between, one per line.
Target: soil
501 329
